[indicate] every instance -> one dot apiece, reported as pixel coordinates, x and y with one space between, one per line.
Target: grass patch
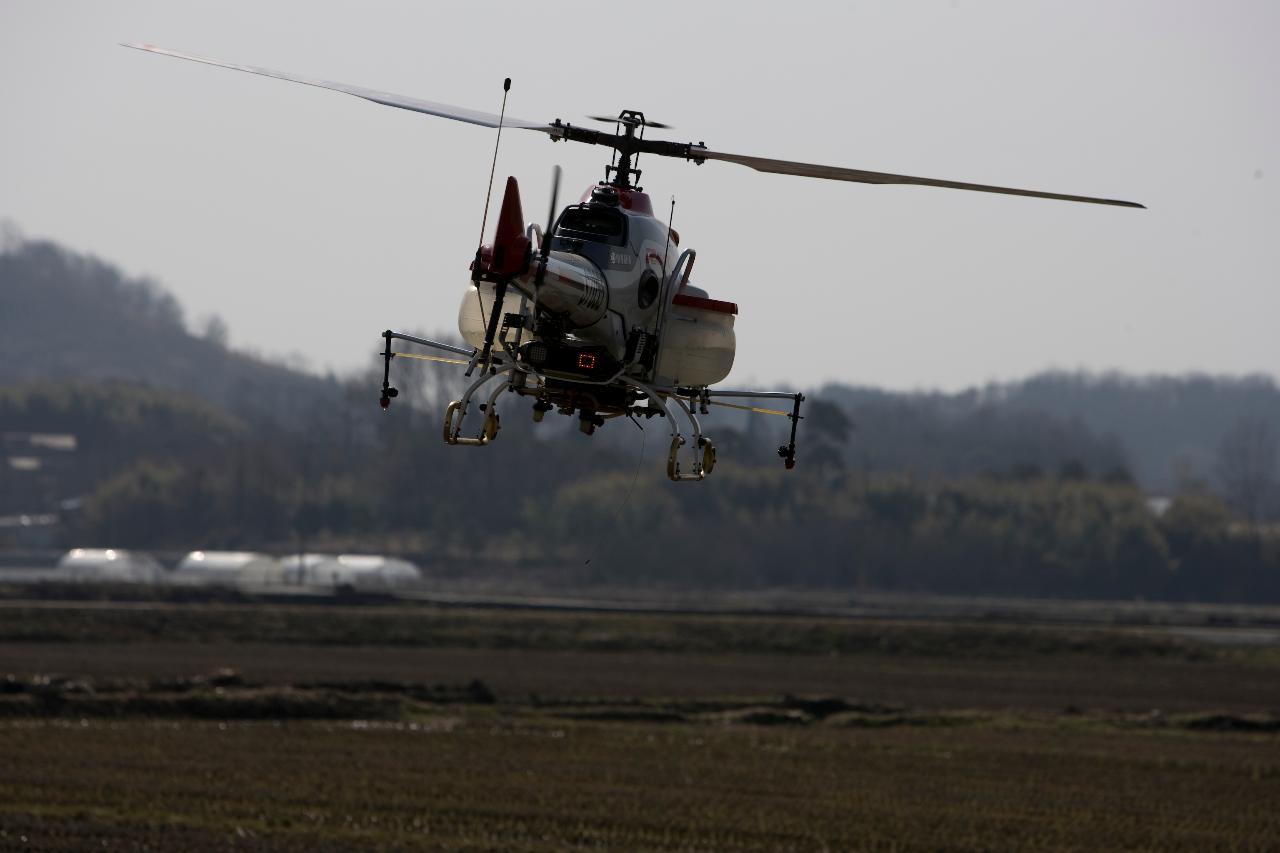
430 627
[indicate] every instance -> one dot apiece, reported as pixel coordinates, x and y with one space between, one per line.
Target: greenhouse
228 569
109 565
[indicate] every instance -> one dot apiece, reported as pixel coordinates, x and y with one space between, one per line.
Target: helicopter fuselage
615 299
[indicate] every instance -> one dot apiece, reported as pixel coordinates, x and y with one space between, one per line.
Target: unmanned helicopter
595 315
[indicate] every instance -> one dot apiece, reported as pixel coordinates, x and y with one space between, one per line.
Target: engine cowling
573 291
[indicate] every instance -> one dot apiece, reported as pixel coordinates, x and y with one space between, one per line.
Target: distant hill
73 434
1170 425
69 316
958 435
66 316
1167 428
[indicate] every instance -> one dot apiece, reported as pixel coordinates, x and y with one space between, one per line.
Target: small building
232 569
109 565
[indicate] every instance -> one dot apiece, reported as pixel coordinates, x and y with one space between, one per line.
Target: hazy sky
312 220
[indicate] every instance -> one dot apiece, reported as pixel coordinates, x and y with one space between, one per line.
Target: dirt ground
482 782
476 731
1052 684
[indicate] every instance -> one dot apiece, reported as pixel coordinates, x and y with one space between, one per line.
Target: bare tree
827 431
10 236
1247 465
214 329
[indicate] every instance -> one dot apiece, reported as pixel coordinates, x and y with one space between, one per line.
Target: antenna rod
671 218
662 291
484 223
506 87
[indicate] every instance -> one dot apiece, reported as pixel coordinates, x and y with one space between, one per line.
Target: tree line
544 497
1026 488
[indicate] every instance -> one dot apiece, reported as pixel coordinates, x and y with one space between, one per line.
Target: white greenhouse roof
109 564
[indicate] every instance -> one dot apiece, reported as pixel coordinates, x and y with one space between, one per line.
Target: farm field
203 727
468 781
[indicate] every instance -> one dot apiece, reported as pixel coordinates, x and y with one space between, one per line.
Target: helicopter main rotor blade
389 99
666 149
836 173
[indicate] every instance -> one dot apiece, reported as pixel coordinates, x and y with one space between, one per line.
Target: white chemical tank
573 289
697 341
474 310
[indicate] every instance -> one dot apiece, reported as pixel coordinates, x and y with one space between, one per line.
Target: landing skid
690 402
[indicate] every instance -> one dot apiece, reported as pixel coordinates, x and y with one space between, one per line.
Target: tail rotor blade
551 221
556 171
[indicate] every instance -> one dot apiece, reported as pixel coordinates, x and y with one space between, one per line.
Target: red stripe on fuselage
704 303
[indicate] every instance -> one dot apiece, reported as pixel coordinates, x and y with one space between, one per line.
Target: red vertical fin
510 245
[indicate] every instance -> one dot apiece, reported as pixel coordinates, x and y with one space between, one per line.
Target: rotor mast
628 120
629 142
